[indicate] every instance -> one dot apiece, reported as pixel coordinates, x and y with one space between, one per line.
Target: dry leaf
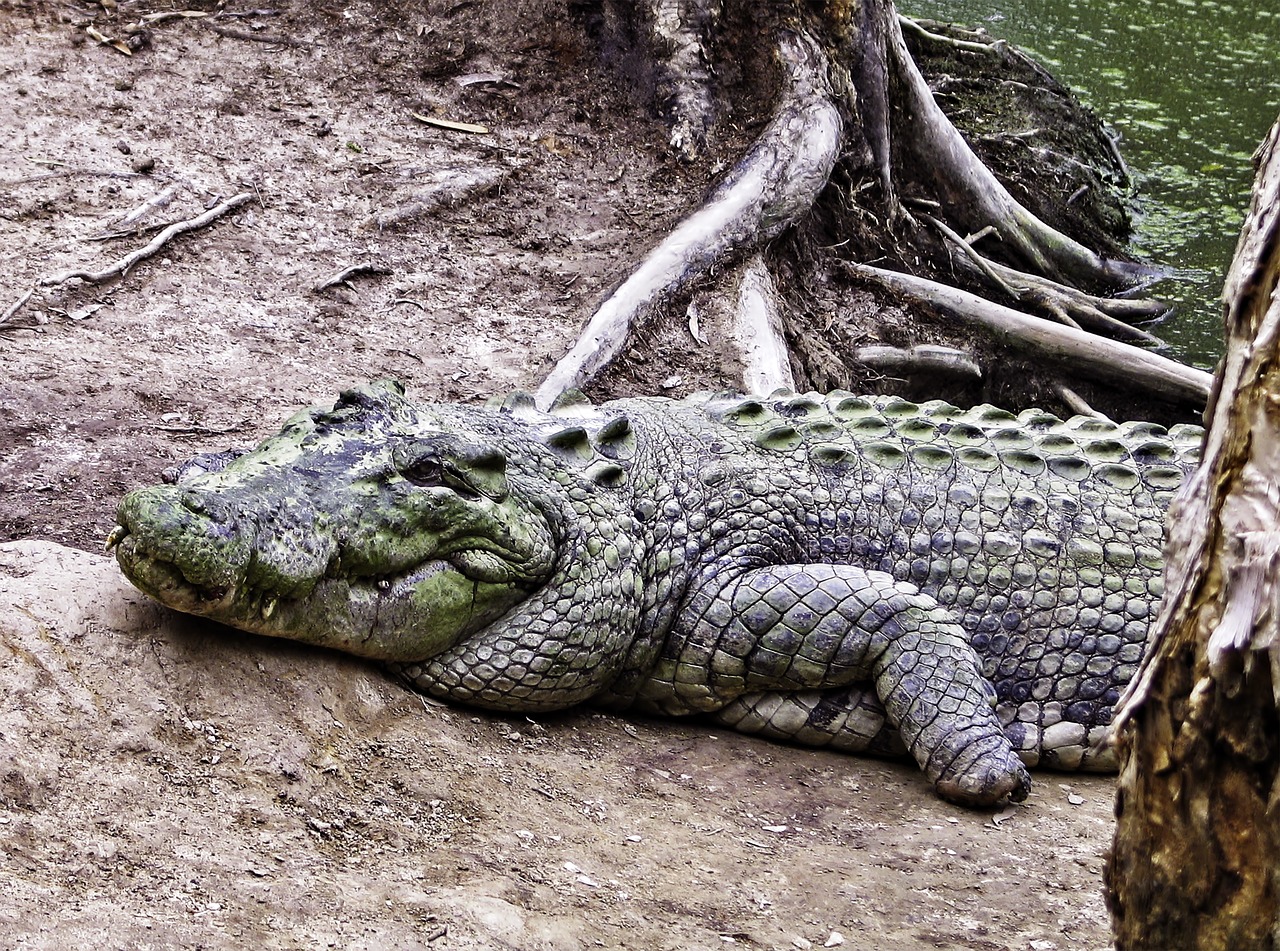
451 125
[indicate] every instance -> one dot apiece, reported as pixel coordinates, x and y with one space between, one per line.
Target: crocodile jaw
411 615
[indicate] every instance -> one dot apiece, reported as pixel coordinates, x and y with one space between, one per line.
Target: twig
121 267
273 40
16 306
341 276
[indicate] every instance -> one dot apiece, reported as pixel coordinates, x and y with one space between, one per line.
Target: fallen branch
774 184
1082 351
122 266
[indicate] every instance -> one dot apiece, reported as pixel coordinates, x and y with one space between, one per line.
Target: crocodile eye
425 472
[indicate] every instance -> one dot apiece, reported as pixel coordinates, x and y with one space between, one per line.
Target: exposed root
969 46
1079 405
346 273
757 329
444 188
122 266
15 307
1065 304
774 185
925 360
972 196
1083 353
679 29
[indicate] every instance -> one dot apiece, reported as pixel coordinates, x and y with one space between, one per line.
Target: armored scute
970 587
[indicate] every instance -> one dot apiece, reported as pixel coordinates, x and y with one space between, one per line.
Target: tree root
866 79
972 196
757 330
1065 304
772 187
122 266
923 360
1065 346
679 33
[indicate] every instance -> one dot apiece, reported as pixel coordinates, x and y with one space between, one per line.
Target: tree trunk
1196 858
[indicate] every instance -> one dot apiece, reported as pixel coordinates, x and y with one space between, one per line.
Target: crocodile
968 587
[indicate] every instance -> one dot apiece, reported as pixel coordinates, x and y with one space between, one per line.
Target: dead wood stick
1076 349
122 266
15 306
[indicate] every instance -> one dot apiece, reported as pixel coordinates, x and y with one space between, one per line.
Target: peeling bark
1196 857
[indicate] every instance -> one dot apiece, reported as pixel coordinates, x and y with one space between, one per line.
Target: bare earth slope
169 784
165 784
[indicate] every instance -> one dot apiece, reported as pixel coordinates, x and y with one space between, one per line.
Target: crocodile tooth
269 608
117 535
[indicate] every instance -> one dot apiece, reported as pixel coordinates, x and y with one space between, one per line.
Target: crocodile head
377 527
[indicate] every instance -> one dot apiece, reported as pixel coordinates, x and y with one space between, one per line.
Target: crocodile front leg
816 627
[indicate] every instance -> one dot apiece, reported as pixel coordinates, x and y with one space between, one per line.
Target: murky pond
1192 87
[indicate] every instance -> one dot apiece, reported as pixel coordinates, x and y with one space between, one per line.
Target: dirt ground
167 784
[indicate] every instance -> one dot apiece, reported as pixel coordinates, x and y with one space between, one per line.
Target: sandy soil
167 784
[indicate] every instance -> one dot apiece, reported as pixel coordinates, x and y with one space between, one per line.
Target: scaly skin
836 571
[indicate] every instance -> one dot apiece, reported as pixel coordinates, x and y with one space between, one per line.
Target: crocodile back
1043 536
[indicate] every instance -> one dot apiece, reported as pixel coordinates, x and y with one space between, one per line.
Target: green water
1192 87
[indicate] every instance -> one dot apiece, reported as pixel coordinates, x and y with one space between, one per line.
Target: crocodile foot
986 773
